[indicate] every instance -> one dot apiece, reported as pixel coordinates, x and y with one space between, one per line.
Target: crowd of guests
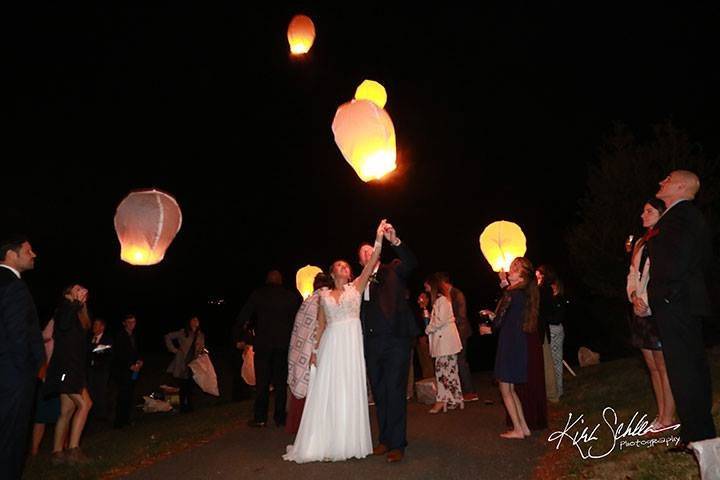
82 365
65 369
283 332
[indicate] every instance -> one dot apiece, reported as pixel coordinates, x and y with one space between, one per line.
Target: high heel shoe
437 407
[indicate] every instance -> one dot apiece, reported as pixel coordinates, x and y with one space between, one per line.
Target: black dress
67 371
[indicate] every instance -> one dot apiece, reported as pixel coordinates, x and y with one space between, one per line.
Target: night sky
498 111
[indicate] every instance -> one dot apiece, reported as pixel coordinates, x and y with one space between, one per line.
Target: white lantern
305 278
365 135
501 242
146 223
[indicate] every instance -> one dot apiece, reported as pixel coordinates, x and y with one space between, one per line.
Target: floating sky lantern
300 34
365 134
373 91
146 223
502 242
304 279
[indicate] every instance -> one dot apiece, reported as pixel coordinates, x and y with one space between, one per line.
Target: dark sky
498 110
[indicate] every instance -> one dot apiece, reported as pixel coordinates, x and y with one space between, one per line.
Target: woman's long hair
82 313
188 329
551 278
528 283
434 282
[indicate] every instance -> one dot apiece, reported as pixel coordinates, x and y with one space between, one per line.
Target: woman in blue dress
516 315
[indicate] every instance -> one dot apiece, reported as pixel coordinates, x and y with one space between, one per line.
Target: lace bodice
346 308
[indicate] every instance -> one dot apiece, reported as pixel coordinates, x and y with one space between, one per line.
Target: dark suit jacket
125 353
388 312
270 313
680 255
21 343
459 306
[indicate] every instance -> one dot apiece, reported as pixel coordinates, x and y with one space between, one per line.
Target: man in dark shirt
99 355
126 365
270 312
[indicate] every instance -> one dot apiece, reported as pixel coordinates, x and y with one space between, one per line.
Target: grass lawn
116 452
625 386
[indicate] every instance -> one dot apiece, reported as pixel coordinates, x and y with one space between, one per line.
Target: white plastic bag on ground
204 374
708 455
153 405
426 391
248 368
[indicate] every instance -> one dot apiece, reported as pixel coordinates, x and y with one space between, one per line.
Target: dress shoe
58 458
395 455
470 397
380 449
438 407
75 456
255 424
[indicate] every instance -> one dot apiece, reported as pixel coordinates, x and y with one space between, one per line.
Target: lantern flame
502 242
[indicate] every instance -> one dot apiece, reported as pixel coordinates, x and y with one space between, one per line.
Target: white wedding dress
336 423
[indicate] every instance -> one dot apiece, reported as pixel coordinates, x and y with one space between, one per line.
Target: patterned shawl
301 345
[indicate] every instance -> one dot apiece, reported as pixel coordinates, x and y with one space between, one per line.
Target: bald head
274 278
679 185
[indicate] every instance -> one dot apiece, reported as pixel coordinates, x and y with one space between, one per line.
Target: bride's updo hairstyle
332 272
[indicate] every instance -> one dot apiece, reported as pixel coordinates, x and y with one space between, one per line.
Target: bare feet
513 434
527 432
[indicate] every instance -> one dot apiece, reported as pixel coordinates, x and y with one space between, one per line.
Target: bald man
680 255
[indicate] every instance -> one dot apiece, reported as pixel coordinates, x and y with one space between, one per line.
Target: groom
388 328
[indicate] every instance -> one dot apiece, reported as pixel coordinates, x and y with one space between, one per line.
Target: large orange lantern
365 135
146 222
502 242
373 91
300 34
304 279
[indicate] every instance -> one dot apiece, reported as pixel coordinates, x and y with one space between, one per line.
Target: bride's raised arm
361 282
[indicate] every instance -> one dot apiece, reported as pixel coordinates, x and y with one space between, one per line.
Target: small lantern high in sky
365 134
502 242
146 223
304 279
300 34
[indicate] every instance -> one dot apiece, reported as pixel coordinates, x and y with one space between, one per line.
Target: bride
335 424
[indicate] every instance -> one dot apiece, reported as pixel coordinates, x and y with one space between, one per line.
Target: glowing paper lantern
365 135
501 243
304 279
373 91
146 223
301 34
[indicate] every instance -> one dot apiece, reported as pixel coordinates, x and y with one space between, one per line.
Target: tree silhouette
624 177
